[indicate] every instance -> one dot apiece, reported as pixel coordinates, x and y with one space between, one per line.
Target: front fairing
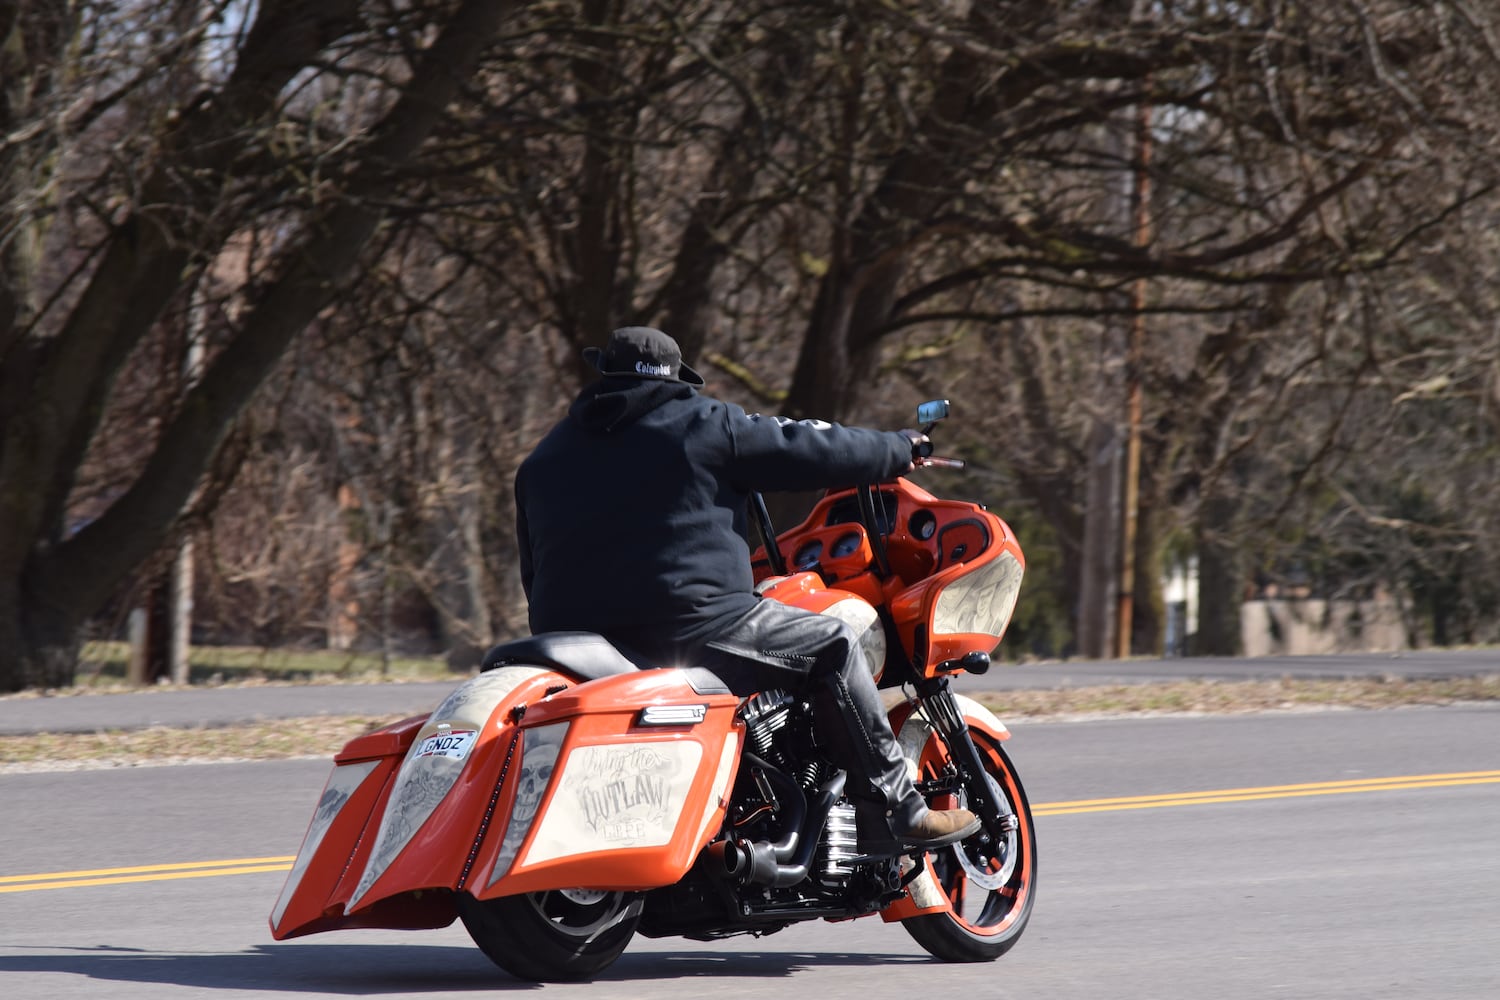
955 570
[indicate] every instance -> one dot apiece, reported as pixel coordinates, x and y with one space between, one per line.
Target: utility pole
1134 354
180 637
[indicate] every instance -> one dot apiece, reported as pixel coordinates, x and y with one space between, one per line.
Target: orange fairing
955 569
621 784
964 609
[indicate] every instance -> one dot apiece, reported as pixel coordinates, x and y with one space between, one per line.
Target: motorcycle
565 799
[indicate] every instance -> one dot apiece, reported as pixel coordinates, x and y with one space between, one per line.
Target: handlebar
928 415
921 452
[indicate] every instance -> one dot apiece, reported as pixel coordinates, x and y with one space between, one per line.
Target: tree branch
91 562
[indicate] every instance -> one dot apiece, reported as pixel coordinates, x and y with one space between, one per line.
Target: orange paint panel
313 886
387 741
932 542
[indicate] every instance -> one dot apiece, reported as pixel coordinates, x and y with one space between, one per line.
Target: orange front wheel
990 879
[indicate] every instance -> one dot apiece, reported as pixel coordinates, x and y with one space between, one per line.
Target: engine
789 850
778 731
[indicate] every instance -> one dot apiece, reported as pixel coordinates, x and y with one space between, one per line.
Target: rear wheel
989 880
557 935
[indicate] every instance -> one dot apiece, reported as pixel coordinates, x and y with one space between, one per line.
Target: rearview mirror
932 411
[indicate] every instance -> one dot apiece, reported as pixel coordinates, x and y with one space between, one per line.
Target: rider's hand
921 445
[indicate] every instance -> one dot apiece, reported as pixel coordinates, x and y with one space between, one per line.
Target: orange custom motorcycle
565 799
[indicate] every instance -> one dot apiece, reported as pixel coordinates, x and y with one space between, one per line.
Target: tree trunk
38 648
69 579
1097 573
1149 615
1220 581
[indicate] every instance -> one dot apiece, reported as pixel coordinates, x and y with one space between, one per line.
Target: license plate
455 744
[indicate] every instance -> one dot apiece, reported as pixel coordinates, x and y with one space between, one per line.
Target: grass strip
322 736
1222 697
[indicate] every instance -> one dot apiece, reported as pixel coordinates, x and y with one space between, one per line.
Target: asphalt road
1374 876
222 706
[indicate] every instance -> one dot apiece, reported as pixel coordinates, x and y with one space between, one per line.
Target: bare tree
207 162
824 202
1295 146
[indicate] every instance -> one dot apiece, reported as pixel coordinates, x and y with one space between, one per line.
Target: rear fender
403 810
356 789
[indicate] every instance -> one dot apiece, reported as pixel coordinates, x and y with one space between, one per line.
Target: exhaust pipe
786 862
747 863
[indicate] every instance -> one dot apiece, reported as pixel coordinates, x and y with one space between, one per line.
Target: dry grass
1222 697
323 735
278 740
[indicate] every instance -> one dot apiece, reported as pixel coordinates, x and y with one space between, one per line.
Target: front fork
986 799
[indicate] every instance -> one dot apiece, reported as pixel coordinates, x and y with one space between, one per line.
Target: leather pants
818 657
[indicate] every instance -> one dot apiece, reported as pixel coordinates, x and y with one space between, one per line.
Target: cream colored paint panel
614 796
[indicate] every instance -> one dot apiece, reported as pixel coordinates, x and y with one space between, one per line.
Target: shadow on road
372 970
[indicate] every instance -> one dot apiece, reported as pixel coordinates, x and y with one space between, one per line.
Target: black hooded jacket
631 512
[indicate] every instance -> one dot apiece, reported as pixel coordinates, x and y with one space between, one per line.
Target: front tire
991 883
560 935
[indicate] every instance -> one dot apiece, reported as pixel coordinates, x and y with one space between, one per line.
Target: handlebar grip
937 462
921 447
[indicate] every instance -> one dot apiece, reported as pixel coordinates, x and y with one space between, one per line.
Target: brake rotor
980 864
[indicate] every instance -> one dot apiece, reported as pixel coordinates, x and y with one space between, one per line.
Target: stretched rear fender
405 807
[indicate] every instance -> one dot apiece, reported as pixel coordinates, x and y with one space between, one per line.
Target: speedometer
807 555
845 545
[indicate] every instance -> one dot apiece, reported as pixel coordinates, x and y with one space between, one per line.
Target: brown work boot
888 835
939 827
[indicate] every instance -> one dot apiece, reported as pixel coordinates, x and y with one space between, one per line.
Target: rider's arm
776 453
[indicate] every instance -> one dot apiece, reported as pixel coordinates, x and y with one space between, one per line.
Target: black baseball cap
642 352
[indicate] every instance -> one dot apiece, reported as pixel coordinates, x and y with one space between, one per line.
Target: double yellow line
142 873
1220 795
248 866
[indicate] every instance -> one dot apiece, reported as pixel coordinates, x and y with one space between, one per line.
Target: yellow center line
161 877
1221 795
143 873
247 866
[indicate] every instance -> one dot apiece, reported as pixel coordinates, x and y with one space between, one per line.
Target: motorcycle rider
631 520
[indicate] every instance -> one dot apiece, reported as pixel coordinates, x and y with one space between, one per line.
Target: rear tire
990 885
561 935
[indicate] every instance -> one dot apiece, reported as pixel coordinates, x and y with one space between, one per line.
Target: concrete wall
1307 626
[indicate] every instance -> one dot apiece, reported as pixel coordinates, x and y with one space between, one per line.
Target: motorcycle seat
586 656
